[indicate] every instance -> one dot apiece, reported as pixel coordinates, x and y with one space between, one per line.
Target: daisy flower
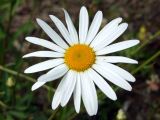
82 60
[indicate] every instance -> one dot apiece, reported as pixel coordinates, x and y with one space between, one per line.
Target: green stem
146 42
5 43
53 114
72 117
2 93
3 105
146 62
24 76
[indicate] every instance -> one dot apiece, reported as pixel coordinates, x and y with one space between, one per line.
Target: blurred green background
18 20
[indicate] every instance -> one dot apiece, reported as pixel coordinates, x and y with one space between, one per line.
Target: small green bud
121 115
10 82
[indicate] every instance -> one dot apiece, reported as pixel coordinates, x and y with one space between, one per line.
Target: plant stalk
24 76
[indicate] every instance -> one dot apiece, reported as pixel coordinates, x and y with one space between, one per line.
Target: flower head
82 60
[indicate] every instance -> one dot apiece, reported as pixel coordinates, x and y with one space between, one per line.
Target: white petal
54 74
77 94
83 24
106 31
121 72
117 47
117 59
44 54
37 85
45 43
58 94
44 65
120 29
62 29
95 25
112 77
89 95
94 93
69 87
52 34
71 28
102 84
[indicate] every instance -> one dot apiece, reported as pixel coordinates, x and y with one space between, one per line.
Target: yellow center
79 57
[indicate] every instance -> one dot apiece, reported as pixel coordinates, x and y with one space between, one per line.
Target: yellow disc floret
79 57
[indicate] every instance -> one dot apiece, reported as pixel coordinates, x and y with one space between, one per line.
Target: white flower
82 60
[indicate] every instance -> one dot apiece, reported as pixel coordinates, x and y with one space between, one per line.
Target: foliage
17 20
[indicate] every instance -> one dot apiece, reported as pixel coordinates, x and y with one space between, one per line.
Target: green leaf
24 29
9 117
18 114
